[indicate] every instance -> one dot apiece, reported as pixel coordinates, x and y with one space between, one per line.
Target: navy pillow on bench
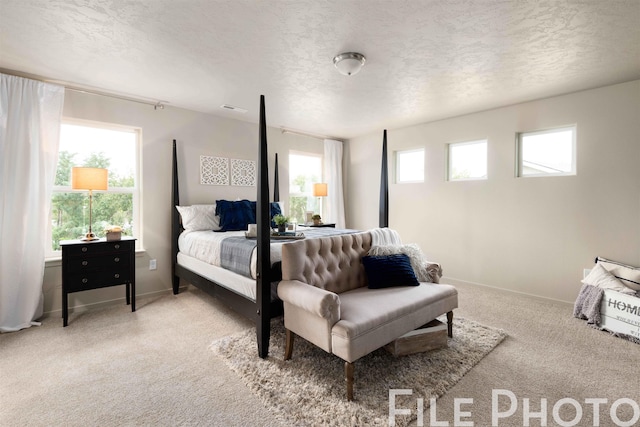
385 271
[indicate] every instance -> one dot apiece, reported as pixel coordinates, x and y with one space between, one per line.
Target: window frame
308 194
136 190
484 141
397 155
519 151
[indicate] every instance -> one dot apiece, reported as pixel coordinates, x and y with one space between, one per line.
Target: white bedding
199 251
239 284
205 246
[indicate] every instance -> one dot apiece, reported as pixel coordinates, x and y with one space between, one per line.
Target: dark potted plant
317 219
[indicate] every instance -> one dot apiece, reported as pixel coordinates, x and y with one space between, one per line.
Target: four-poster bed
384 185
260 304
264 306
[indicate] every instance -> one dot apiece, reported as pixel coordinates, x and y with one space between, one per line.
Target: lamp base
89 237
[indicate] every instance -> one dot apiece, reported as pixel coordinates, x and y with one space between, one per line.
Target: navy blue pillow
274 209
236 215
385 271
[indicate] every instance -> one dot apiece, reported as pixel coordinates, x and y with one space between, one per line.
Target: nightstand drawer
97 279
91 263
91 248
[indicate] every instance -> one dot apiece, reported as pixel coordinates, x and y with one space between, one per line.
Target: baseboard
105 303
454 281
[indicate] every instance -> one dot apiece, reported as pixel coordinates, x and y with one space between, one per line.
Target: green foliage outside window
460 174
300 204
70 210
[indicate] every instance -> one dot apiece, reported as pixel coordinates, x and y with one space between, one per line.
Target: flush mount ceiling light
349 63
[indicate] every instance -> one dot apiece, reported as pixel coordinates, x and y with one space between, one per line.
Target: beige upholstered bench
327 301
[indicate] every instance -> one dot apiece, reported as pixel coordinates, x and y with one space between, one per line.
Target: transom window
100 145
410 166
547 152
467 160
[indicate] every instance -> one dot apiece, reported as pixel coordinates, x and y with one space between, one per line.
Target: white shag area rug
309 389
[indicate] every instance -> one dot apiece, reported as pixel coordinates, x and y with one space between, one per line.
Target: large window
101 145
548 152
410 166
468 160
304 171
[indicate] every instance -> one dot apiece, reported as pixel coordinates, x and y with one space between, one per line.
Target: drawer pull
116 259
85 263
85 280
117 246
84 249
117 276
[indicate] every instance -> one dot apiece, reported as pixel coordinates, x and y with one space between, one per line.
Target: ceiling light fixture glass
349 63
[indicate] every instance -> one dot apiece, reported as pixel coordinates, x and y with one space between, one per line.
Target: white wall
197 134
529 235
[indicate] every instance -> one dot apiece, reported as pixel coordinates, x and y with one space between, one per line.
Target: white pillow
629 276
600 277
199 217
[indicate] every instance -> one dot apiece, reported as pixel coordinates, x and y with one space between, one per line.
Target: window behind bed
305 169
95 144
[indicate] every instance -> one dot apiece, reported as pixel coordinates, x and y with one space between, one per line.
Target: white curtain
334 206
30 113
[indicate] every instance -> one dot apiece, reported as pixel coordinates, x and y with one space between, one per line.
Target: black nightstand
98 264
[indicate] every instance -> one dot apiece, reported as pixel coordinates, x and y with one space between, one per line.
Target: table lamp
89 179
320 190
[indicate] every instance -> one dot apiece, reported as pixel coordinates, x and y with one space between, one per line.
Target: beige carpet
154 367
309 389
111 367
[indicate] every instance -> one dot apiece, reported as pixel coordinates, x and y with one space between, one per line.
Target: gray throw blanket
587 305
235 254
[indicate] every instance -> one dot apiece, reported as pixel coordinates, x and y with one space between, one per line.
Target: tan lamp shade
320 189
89 179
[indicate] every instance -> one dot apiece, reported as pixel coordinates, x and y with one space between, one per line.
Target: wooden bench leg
348 374
288 347
450 324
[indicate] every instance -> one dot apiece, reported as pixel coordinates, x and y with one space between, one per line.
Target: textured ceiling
426 59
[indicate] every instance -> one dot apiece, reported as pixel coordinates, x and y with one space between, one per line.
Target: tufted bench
327 301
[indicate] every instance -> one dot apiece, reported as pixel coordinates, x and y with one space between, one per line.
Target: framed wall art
214 170
243 172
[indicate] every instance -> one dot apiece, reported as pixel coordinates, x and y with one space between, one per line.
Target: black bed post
263 288
175 222
384 186
276 182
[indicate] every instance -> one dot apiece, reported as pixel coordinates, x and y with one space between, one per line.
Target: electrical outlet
152 264
586 272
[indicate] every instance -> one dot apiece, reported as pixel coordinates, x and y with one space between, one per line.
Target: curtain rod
311 135
157 105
